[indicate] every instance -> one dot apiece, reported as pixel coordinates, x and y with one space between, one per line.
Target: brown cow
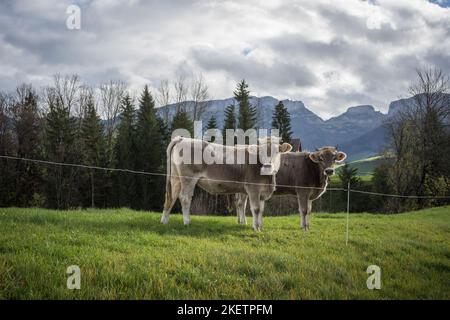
304 174
254 179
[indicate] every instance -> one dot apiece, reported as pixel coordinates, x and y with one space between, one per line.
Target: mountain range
359 131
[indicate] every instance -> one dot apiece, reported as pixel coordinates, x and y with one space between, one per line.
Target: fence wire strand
215 180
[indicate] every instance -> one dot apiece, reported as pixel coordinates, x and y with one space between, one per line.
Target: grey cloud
146 41
275 75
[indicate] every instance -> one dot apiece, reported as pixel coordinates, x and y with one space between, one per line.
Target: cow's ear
314 156
285 147
340 156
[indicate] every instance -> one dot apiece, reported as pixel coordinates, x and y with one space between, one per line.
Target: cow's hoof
164 220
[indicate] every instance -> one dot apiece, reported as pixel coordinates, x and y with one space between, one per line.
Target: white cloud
330 54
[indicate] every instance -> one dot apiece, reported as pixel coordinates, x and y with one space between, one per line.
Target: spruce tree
149 149
27 131
7 147
247 113
181 120
230 121
93 148
281 120
124 153
212 123
60 136
348 174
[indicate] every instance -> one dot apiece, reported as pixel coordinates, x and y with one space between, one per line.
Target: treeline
419 145
69 122
63 125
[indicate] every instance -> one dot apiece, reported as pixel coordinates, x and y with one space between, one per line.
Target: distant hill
368 144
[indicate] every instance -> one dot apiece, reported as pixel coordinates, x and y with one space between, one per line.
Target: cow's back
219 178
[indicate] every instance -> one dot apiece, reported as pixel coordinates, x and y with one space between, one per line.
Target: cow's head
269 154
326 158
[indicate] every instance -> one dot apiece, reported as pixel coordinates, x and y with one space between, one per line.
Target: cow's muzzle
329 171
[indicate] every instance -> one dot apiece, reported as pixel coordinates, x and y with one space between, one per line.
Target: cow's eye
320 158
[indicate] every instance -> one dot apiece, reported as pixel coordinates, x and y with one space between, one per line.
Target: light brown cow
304 174
221 178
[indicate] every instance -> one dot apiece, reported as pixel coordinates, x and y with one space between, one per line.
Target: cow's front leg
308 214
304 207
255 209
303 222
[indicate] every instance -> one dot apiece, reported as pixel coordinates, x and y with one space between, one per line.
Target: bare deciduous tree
163 98
431 93
65 88
111 95
199 96
85 95
181 90
420 136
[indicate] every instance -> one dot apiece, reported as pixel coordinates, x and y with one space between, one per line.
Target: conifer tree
212 123
27 126
59 146
149 155
7 147
93 147
124 153
230 121
247 113
181 120
281 120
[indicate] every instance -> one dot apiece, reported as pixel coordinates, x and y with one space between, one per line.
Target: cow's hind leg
260 214
186 194
241 204
170 200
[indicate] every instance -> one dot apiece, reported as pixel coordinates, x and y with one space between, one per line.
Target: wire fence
348 189
329 190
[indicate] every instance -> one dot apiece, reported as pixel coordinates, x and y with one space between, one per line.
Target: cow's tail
168 200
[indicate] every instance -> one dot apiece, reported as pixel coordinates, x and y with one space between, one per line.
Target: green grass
129 255
336 181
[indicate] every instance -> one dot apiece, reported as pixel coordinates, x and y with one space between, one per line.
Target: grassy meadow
125 254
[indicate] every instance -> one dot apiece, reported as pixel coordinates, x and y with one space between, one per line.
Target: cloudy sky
329 54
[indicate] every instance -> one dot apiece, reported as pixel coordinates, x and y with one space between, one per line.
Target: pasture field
125 254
